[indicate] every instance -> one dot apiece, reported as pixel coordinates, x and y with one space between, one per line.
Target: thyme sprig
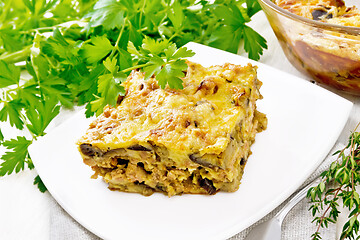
344 176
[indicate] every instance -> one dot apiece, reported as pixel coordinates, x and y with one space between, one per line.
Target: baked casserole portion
330 54
193 140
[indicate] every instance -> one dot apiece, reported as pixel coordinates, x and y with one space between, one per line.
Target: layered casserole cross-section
193 140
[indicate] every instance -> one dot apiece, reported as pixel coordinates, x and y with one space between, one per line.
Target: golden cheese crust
330 11
209 124
198 118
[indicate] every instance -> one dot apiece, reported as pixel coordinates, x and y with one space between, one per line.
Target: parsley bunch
78 52
344 174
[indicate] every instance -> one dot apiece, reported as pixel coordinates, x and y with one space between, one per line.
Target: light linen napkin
296 226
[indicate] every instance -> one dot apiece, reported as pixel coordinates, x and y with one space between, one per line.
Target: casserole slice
194 140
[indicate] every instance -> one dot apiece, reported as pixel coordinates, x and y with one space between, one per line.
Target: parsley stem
141 14
40 29
5 11
52 28
135 67
174 35
118 39
16 56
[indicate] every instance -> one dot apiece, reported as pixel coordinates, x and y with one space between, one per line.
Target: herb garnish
344 175
78 52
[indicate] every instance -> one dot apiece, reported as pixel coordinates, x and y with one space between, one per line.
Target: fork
271 229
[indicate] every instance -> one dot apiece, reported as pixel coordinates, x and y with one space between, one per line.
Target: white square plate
304 122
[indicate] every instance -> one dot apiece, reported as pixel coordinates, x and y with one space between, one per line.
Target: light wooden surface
24 211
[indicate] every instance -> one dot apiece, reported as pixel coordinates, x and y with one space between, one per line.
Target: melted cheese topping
351 21
305 8
330 11
199 118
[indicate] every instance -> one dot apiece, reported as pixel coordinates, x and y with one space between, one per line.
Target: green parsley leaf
60 48
30 5
109 86
170 51
151 45
171 74
29 162
39 183
154 67
96 106
46 5
107 13
96 49
50 84
59 38
176 15
110 64
231 15
12 110
41 114
14 160
132 49
1 136
229 34
10 40
65 9
220 39
180 53
134 35
253 43
228 37
125 59
253 7
9 74
89 85
162 59
29 92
